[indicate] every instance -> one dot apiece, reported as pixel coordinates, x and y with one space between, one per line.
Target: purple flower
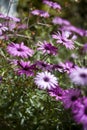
46 80
5 17
64 67
84 48
60 21
25 68
64 38
19 50
43 65
79 76
13 62
3 28
46 47
72 28
56 92
70 97
21 26
57 67
54 5
40 13
67 66
79 111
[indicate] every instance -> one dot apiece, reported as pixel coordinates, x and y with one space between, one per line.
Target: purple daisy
56 92
46 80
25 68
60 21
19 50
72 28
57 67
79 76
64 67
70 97
43 65
40 13
79 111
67 66
3 28
64 38
46 47
5 17
53 5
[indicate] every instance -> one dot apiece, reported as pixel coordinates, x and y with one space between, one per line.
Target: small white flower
46 80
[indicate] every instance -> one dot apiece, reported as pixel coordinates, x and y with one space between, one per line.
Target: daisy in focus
79 76
65 38
46 47
19 50
46 80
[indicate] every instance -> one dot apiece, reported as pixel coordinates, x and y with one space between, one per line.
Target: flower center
26 68
46 79
73 98
83 75
47 47
19 49
44 65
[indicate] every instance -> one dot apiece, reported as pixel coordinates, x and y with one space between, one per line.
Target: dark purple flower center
83 75
60 94
46 79
73 98
44 65
19 49
63 40
26 68
47 47
85 111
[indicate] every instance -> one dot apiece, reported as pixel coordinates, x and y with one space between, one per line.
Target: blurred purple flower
53 5
70 97
43 65
60 21
67 66
56 92
79 111
79 76
5 17
57 67
64 67
46 47
84 48
25 68
19 50
65 38
3 28
45 80
21 26
72 28
40 13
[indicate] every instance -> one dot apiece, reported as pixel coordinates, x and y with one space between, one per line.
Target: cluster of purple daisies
42 70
